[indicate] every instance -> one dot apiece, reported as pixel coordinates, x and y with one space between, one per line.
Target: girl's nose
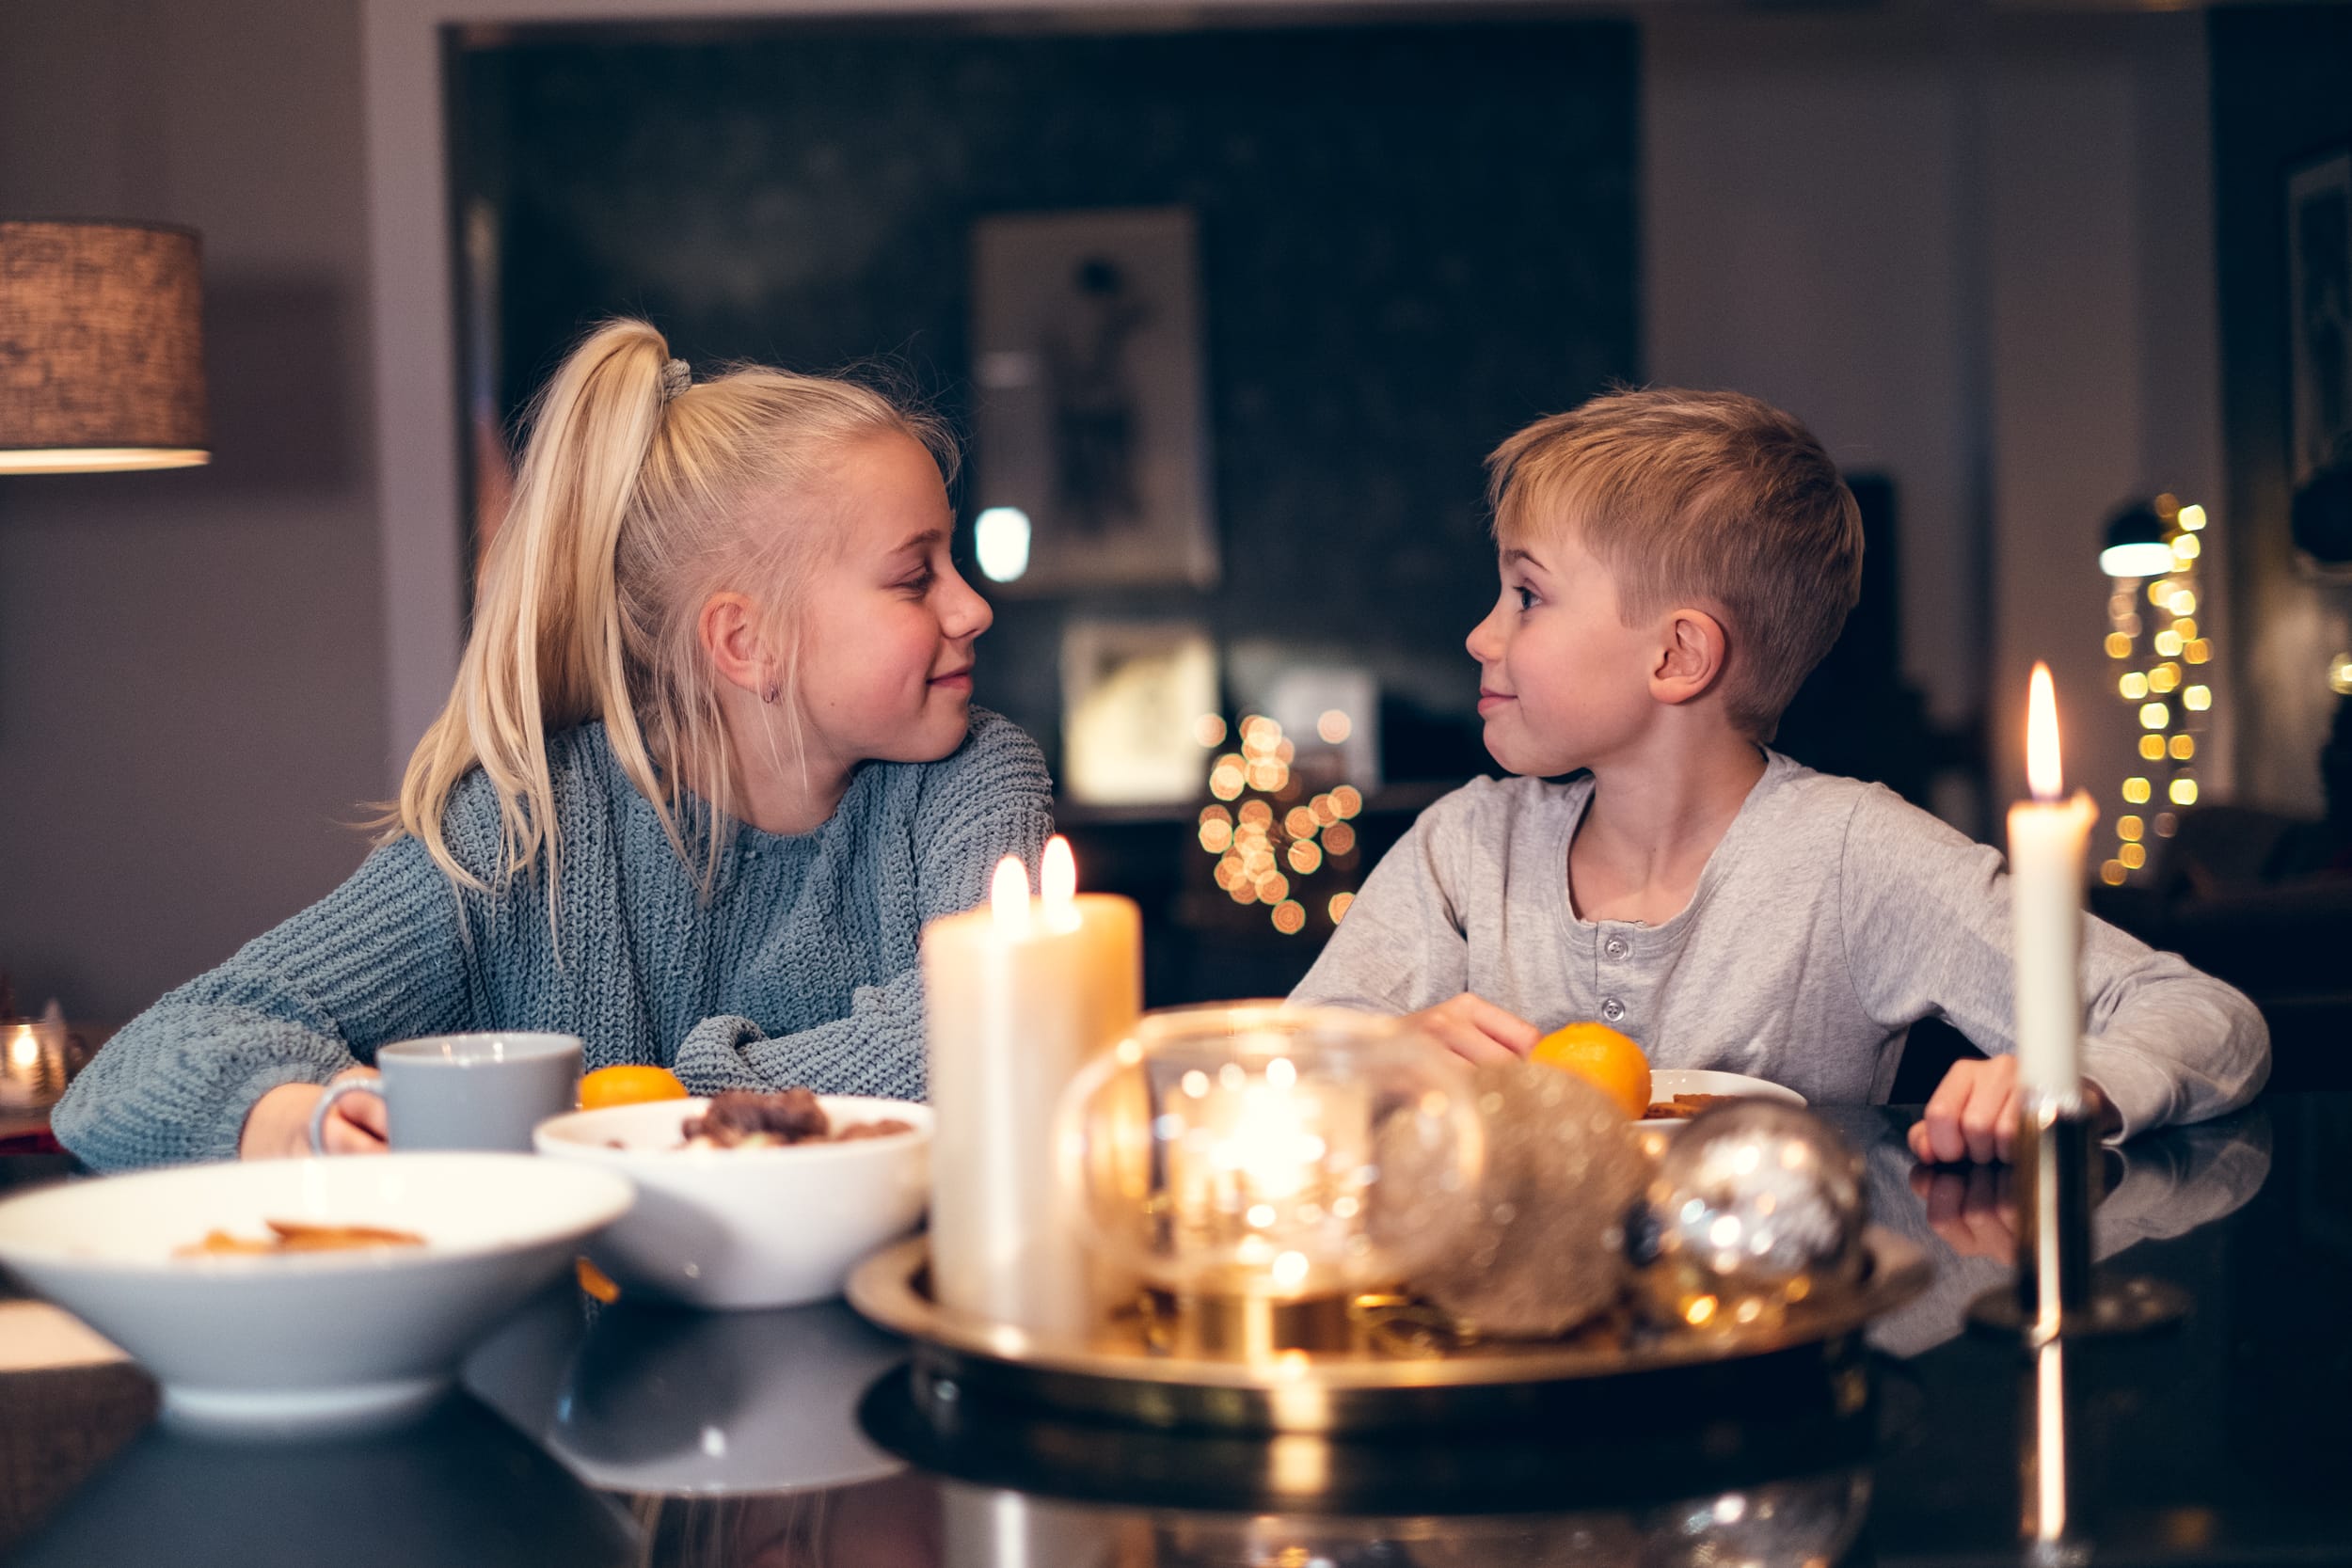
963 613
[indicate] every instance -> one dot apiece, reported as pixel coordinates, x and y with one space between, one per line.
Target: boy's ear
1690 656
728 628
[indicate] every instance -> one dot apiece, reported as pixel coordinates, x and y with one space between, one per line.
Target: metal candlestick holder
2057 1293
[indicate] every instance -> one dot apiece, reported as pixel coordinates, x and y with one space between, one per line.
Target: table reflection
2157 1187
667 1401
626 1435
920 1521
463 1486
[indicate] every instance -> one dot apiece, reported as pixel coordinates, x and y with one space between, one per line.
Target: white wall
191 671
1975 253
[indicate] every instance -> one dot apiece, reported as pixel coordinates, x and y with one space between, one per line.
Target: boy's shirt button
1618 947
1612 1009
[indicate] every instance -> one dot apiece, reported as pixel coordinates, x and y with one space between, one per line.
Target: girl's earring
771 695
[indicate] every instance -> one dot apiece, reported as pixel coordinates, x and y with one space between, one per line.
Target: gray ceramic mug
465 1091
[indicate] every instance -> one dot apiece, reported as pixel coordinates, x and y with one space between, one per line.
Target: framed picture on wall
1092 462
1133 694
2319 313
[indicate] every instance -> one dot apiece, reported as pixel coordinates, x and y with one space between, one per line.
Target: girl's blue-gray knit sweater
799 969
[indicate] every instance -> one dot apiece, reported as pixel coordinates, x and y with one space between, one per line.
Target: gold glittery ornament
1543 1249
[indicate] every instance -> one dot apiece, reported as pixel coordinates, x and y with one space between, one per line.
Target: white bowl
305 1341
748 1227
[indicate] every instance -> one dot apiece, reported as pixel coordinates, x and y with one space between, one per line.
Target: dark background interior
1413 239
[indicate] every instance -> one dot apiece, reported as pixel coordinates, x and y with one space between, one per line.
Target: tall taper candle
1018 995
2048 837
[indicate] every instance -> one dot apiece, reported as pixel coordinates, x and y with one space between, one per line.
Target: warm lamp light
102 348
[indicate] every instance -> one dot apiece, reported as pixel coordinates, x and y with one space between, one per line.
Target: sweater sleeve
1927 930
380 959
991 799
1403 945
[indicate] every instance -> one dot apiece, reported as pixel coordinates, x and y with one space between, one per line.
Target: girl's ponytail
633 506
548 649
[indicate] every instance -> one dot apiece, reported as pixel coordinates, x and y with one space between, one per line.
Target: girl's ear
728 628
1690 660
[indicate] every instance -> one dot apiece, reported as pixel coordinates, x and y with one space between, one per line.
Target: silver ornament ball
1754 1209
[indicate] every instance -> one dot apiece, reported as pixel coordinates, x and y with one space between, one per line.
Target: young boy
1674 563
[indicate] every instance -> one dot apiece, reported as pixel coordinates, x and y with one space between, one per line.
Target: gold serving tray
1427 1379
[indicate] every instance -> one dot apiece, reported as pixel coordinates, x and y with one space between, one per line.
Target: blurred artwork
1331 714
1092 437
1133 695
2319 304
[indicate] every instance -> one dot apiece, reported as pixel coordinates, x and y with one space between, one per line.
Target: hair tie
676 377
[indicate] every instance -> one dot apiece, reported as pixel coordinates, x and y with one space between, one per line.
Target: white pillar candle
2048 838
1018 996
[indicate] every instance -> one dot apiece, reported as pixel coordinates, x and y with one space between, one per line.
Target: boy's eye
919 583
1527 597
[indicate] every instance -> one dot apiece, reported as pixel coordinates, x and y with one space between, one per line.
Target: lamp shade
102 348
2136 545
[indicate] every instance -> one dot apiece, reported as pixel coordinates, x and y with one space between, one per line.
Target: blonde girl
709 762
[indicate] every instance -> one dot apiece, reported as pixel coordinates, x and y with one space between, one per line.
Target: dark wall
1413 240
2282 93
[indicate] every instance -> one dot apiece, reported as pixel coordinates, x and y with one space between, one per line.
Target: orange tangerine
627 1086
1603 1057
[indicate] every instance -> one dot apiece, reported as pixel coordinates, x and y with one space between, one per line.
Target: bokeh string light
2166 685
1272 838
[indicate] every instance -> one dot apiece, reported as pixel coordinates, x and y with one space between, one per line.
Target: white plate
748 1227
1666 1083
308 1340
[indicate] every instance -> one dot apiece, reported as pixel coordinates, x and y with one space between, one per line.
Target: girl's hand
1973 1114
279 1126
1476 1030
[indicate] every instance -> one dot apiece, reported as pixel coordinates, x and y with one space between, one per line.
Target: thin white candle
1018 997
2048 838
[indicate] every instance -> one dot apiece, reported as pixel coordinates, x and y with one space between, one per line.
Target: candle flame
1009 897
24 1050
1058 881
2042 773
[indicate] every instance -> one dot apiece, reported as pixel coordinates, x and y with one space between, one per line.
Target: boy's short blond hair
1713 499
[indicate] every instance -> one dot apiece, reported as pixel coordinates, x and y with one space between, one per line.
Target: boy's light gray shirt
1831 918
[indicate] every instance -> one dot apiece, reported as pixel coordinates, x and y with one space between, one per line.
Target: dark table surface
631 1436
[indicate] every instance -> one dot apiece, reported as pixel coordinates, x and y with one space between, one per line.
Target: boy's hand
1476 1029
279 1126
1973 1114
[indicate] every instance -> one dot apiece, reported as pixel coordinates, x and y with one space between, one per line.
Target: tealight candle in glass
32 1068
1231 1156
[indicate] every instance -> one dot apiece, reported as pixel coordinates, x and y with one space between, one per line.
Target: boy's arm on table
1402 950
379 958
879 1048
1926 915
